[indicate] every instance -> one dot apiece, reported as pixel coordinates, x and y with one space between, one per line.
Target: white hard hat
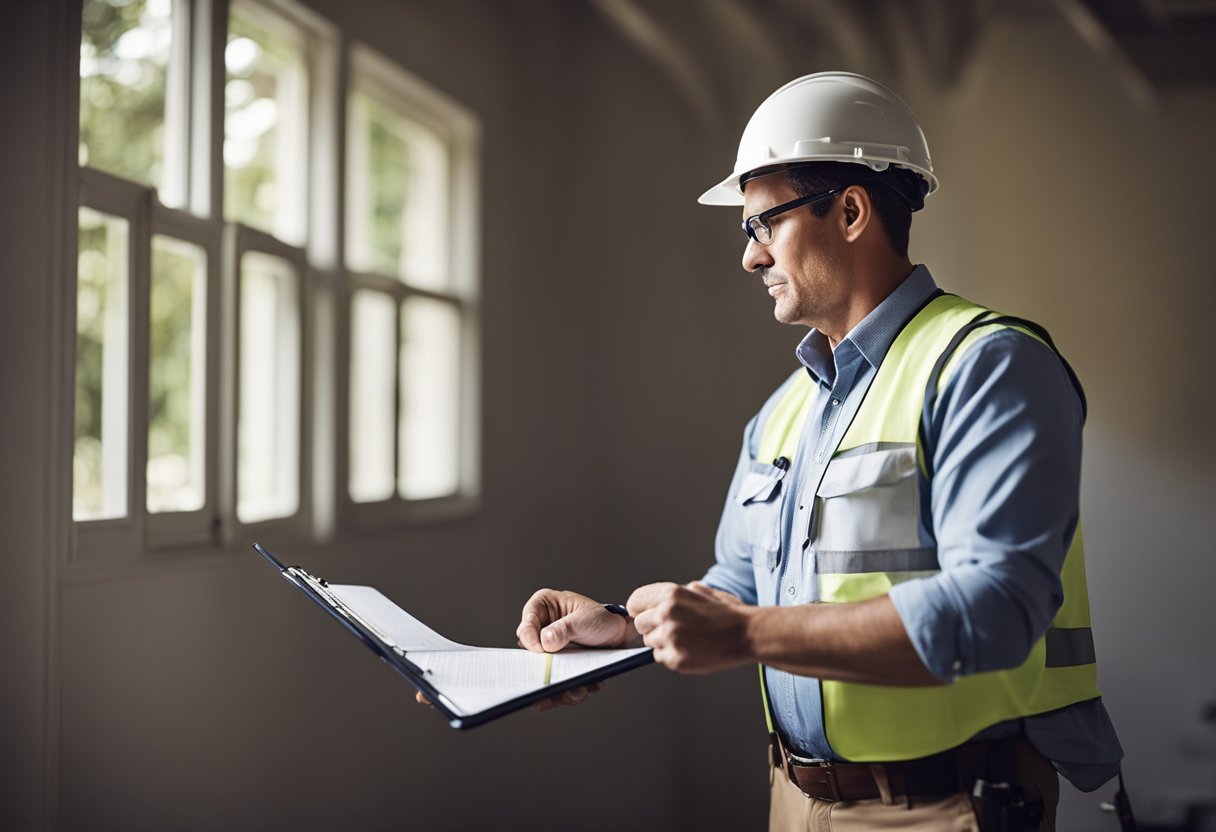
828 117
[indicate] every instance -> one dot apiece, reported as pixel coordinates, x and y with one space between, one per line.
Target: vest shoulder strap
981 320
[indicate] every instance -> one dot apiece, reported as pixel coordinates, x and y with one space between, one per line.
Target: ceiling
724 55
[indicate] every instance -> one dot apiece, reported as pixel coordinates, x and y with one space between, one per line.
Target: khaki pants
792 811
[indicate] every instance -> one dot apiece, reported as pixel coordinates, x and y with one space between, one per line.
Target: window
99 463
412 295
269 399
266 124
132 63
266 157
177 353
372 383
206 257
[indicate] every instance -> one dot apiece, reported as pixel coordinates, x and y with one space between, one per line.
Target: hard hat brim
725 192
728 192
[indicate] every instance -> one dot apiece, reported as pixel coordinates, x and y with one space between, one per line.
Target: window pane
429 464
265 125
398 196
177 342
373 347
99 464
268 423
124 63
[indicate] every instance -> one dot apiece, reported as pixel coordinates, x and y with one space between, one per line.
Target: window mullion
207 107
470 399
141 281
174 189
398 393
304 387
229 392
324 223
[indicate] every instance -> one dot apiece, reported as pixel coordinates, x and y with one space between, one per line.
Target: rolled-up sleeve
732 568
1006 445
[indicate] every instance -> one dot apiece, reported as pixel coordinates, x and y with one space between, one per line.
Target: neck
873 284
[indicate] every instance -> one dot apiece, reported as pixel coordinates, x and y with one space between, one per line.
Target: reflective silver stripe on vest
881 560
1070 647
871 447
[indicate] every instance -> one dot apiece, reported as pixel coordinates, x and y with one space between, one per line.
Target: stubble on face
807 291
800 268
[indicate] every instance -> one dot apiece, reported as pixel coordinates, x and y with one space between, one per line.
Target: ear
858 212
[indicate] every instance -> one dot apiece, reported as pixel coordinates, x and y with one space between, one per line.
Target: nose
756 256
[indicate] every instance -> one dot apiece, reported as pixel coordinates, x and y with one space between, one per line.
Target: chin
785 316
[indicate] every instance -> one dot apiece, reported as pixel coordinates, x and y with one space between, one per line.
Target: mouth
774 288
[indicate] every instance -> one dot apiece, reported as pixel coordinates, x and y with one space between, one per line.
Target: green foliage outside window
124 57
389 176
264 94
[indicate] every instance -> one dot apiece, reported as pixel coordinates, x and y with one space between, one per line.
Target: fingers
649 596
645 622
539 611
711 593
421 699
575 696
693 628
528 633
590 626
553 619
653 604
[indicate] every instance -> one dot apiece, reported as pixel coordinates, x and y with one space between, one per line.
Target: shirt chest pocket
760 496
869 502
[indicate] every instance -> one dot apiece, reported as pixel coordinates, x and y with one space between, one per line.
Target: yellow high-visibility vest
866 540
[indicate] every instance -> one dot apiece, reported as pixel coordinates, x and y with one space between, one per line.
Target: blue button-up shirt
1006 440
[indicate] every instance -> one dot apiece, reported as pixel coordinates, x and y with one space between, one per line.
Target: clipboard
469 685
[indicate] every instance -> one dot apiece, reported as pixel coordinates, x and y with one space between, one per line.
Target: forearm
864 642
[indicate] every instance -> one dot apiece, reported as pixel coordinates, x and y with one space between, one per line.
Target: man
900 548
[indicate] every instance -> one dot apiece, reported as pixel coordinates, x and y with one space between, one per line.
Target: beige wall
624 350
1064 202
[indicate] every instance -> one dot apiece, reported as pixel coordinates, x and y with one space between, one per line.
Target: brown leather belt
947 773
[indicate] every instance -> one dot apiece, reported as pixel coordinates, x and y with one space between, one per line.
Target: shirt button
790 590
835 402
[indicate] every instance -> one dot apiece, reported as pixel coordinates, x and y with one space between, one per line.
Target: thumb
589 626
557 635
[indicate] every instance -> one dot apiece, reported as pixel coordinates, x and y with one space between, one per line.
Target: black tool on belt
1004 803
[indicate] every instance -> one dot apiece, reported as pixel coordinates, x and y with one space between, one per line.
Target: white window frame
240 240
182 528
194 185
459 129
118 537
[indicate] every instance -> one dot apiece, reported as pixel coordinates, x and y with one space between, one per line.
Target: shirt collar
874 334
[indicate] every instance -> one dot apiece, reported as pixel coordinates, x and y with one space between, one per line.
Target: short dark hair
895 193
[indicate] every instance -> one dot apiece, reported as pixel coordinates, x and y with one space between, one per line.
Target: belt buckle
817 773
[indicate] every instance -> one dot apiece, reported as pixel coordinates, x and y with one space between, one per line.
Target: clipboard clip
320 587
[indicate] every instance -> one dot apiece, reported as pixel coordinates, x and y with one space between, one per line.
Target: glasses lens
761 232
